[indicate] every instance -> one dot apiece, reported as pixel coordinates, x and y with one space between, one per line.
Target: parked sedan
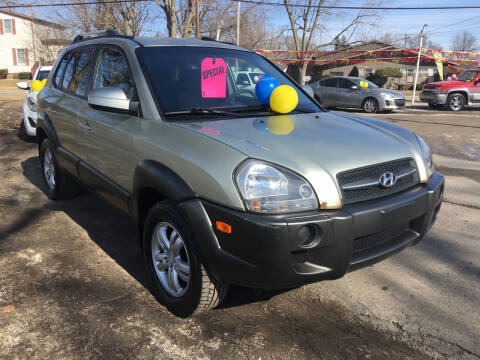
353 92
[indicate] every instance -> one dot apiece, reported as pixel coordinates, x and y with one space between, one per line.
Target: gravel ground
72 286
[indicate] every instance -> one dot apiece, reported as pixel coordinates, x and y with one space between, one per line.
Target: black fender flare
154 175
44 123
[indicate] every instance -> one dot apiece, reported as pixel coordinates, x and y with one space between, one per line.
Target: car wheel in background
179 277
58 185
456 102
370 105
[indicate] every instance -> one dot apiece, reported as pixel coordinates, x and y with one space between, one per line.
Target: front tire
178 275
58 185
456 102
370 105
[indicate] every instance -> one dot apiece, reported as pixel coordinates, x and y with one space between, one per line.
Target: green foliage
25 75
3 73
388 72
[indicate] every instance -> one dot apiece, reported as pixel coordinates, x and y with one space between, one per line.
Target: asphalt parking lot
72 282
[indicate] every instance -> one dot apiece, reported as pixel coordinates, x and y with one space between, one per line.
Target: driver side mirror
354 87
308 89
23 85
112 99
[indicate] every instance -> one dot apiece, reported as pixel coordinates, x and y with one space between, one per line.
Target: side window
111 70
60 70
345 83
75 79
242 79
330 82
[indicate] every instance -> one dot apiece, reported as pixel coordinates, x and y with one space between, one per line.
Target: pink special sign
214 78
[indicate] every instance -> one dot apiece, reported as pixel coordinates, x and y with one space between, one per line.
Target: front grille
429 90
374 240
371 174
400 102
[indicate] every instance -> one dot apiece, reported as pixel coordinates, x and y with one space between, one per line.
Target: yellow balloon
280 125
283 99
36 85
44 81
364 84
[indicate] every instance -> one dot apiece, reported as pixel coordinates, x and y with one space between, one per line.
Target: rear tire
58 185
370 105
456 102
178 275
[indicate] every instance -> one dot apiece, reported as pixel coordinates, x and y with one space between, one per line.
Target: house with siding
26 41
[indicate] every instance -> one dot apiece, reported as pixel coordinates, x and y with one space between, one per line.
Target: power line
72 3
361 7
255 2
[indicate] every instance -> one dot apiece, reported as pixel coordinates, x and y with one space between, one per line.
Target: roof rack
206 38
98 34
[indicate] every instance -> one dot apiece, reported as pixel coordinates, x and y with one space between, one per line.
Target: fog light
307 236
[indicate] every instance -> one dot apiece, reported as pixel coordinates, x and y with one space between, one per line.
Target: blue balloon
265 87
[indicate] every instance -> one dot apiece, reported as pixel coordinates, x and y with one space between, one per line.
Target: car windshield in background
42 74
187 79
370 84
467 76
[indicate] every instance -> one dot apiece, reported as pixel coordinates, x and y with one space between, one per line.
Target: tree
125 17
180 15
304 23
465 41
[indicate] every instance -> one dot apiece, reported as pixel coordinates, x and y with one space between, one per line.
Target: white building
26 40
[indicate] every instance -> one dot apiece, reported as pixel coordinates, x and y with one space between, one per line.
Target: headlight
427 157
387 96
436 89
266 188
32 105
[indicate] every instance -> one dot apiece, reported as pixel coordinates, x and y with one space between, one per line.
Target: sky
442 24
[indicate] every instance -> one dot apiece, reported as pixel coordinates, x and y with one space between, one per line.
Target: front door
104 137
348 96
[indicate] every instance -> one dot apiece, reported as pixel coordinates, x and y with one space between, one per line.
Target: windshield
467 76
359 83
186 78
42 74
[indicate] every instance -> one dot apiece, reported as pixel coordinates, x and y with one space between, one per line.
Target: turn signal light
224 227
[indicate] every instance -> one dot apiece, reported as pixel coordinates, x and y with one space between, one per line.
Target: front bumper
262 250
433 98
29 119
391 104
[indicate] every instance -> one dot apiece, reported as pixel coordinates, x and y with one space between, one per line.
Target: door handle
85 127
52 110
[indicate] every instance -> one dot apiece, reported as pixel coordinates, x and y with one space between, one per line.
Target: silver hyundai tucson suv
225 190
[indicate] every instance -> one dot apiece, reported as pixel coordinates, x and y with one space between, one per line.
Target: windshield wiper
200 111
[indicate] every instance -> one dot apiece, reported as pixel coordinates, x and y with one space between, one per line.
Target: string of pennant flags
393 60
393 52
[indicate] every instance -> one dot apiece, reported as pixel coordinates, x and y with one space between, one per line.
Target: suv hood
444 83
316 146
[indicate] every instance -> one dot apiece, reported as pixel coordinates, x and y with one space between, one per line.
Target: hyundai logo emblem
387 179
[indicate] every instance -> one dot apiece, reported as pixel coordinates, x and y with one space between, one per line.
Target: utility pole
238 22
405 43
197 15
418 63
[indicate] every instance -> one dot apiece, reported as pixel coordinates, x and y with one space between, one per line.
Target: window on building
21 60
7 26
368 71
336 73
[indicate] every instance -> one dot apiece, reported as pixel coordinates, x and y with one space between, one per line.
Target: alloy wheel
457 102
370 106
170 259
49 168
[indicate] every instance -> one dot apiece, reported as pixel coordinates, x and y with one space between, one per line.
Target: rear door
104 137
70 82
329 92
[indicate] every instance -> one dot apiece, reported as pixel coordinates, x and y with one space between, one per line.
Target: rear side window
111 70
75 79
330 82
60 70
